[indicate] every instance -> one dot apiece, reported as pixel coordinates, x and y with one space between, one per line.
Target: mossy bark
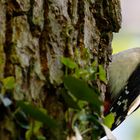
35 34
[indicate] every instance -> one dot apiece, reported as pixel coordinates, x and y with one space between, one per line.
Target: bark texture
34 34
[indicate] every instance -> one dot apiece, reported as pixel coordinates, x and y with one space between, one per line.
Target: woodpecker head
124 84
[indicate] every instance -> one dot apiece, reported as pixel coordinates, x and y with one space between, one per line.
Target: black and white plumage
124 84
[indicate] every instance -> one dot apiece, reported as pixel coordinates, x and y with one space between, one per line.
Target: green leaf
36 127
37 114
109 120
68 62
21 119
34 130
82 73
29 133
82 103
102 74
81 90
9 82
69 100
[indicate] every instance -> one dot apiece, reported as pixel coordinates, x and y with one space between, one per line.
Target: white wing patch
134 105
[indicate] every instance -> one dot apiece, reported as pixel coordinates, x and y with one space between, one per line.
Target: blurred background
128 37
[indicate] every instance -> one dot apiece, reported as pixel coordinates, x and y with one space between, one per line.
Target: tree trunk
34 35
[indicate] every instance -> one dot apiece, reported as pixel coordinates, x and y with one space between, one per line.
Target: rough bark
34 34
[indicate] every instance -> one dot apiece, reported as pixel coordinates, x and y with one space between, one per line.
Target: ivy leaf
68 62
102 74
109 120
21 119
37 114
82 73
34 130
69 100
81 90
9 82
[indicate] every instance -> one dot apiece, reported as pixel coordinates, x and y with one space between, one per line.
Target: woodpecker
123 94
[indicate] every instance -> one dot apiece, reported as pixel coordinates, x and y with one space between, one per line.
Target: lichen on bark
35 34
